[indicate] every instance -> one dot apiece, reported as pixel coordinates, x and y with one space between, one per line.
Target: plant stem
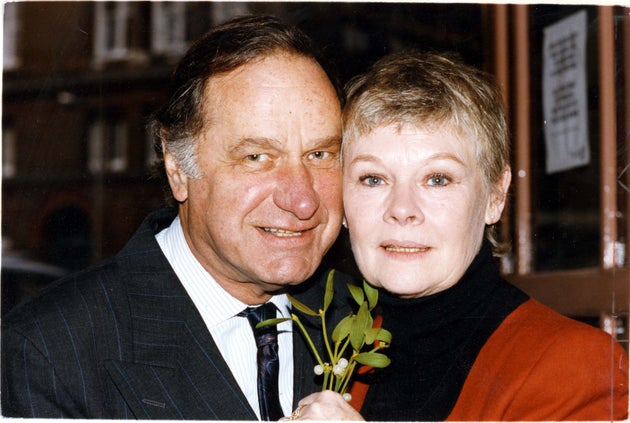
325 332
348 376
308 338
326 377
343 349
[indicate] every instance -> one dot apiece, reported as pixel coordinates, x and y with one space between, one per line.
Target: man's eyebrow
245 145
327 142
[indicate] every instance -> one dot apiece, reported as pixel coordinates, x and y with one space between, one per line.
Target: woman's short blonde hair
420 89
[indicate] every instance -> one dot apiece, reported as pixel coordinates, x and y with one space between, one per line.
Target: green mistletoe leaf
299 306
384 335
270 322
370 335
373 359
371 293
342 330
328 295
357 293
361 323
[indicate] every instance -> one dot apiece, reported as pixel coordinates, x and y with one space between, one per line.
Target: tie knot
259 314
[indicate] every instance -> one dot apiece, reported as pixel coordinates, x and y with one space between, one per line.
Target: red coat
539 365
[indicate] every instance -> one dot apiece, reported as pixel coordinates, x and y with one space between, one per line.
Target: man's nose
295 191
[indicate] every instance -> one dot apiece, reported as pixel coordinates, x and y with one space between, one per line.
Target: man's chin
284 277
277 284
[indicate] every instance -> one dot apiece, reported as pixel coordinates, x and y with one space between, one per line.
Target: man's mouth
282 232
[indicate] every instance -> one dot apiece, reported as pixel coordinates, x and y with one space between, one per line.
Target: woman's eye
438 179
371 180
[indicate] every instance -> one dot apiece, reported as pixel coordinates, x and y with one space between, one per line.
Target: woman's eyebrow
446 156
373 158
369 158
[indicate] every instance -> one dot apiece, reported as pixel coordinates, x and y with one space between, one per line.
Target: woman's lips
404 247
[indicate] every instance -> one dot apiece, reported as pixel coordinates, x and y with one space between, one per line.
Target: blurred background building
80 79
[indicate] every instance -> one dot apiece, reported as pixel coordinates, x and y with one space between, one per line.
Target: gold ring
296 413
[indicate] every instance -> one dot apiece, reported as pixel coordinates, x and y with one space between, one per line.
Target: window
168 28
10 34
117 36
572 218
110 41
222 11
107 145
9 156
570 226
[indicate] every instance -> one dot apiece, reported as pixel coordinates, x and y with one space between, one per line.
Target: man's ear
177 179
498 196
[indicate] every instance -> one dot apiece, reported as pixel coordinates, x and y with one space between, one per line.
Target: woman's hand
325 405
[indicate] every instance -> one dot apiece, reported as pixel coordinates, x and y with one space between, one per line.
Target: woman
425 175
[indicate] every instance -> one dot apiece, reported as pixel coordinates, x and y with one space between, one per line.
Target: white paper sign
565 104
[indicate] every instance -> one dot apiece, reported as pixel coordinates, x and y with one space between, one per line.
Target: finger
309 399
297 412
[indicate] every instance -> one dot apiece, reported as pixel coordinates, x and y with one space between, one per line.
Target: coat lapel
174 370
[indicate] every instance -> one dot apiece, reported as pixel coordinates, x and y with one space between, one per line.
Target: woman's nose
404 206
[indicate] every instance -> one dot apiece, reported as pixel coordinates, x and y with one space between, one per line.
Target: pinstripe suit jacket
124 340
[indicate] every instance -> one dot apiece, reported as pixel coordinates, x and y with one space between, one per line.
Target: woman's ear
498 196
177 179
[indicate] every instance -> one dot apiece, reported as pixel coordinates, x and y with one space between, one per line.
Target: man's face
268 203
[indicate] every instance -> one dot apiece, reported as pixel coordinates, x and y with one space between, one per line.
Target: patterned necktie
267 358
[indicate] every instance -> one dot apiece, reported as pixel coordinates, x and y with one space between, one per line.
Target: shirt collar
214 303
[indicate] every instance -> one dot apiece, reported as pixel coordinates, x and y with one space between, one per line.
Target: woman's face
416 207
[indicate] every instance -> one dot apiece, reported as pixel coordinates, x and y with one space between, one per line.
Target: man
250 140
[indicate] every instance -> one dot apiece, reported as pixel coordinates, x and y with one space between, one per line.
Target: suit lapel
175 370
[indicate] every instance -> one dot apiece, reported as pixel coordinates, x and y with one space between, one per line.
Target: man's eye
371 180
438 179
256 157
320 155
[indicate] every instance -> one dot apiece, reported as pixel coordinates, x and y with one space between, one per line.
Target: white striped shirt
232 334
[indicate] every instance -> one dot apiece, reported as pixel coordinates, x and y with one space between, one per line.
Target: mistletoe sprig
356 331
